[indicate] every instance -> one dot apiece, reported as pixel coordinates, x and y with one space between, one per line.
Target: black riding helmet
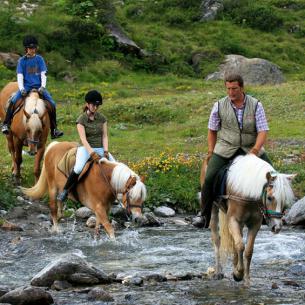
94 97
30 42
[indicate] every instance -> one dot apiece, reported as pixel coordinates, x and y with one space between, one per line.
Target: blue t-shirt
31 68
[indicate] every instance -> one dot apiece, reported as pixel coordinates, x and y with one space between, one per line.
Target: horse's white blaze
35 107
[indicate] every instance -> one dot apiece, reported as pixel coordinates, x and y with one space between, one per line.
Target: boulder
164 211
27 295
123 41
210 9
10 60
71 268
255 71
296 214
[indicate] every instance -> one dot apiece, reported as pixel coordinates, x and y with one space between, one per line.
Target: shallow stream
170 249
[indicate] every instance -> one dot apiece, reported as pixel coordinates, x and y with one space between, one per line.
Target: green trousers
215 164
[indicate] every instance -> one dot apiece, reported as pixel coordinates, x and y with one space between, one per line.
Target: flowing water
170 249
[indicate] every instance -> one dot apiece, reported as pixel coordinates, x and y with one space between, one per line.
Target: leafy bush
254 15
171 180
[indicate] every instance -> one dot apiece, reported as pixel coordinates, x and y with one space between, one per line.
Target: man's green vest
230 137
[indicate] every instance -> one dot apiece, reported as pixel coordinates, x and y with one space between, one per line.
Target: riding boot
8 118
55 133
71 181
206 207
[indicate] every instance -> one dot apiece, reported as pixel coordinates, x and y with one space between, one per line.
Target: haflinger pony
97 188
30 125
254 190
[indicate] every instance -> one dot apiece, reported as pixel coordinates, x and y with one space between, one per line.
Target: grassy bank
158 125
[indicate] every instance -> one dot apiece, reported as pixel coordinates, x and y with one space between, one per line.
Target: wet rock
164 211
133 280
148 220
91 222
3 213
83 213
274 286
298 270
71 268
156 278
27 295
296 214
197 222
291 283
99 294
179 222
3 290
61 285
17 212
119 212
8 226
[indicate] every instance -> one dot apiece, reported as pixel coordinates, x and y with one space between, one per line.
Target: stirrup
5 129
62 196
56 134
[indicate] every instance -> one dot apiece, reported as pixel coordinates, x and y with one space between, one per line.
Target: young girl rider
31 74
93 133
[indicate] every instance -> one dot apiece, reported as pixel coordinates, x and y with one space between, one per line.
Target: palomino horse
97 189
253 190
29 126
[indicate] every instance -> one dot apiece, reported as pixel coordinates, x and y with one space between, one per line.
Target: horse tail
226 239
40 188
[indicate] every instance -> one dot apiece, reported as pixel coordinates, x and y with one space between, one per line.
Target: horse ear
26 114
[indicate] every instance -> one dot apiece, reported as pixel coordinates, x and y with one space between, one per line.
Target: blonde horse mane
247 177
120 175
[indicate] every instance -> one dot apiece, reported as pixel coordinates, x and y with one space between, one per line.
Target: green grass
170 114
161 103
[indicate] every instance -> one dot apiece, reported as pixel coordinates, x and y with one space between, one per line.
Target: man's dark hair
234 78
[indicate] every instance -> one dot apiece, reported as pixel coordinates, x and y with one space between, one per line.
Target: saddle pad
66 164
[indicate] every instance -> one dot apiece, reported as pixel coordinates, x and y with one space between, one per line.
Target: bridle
268 214
131 182
262 202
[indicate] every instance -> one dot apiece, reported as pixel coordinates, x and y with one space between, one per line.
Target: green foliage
6 73
170 180
248 13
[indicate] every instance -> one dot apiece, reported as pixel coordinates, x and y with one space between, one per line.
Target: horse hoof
236 278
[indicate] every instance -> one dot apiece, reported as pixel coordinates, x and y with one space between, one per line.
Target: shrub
253 15
171 180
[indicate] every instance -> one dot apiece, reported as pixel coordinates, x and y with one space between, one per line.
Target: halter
262 202
125 193
33 141
268 214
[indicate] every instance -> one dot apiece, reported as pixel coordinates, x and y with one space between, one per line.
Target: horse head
34 112
131 186
134 196
277 194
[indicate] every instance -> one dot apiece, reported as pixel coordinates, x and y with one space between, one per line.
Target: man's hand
95 157
209 156
254 151
41 90
106 154
23 92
